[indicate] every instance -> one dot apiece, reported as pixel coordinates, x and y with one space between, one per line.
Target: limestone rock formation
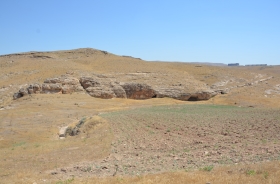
101 92
138 91
182 94
64 84
22 92
34 88
119 91
51 88
89 82
100 86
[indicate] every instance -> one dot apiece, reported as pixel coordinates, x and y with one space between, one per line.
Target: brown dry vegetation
31 151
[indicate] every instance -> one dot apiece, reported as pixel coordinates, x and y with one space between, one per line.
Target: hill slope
32 151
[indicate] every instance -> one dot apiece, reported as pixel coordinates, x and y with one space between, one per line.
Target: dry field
231 138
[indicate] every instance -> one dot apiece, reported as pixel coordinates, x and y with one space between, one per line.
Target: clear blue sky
220 31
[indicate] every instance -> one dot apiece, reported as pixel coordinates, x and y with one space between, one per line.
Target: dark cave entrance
193 98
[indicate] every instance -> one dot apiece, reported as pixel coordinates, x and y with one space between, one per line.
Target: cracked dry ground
184 137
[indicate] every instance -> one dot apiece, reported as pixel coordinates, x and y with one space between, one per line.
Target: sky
216 31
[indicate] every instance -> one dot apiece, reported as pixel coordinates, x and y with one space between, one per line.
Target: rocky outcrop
64 85
101 92
138 91
34 88
87 82
181 94
102 88
106 88
22 92
119 91
51 88
202 95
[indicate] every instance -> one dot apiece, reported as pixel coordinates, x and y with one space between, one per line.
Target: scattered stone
62 132
54 173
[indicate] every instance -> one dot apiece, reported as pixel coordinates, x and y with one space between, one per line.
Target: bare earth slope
170 139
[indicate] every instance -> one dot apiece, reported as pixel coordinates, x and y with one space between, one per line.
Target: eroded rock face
203 95
138 91
64 85
119 91
102 88
181 94
17 95
101 92
34 88
89 82
106 88
51 88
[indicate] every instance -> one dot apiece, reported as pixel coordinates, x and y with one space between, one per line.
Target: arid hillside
78 115
243 85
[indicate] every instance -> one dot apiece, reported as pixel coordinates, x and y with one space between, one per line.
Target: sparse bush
208 168
251 172
66 181
265 174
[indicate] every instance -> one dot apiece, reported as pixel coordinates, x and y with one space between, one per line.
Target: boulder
62 131
23 91
68 89
101 92
17 95
68 84
102 87
119 91
89 82
34 88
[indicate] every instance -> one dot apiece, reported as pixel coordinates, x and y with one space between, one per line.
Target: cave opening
193 98
155 96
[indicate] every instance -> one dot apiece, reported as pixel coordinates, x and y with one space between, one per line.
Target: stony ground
184 137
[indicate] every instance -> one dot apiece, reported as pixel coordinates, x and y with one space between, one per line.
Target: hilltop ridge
21 69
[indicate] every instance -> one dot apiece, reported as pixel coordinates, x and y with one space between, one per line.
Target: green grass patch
251 172
19 144
207 168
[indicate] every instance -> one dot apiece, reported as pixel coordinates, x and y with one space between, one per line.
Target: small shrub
81 122
66 181
265 174
208 168
251 172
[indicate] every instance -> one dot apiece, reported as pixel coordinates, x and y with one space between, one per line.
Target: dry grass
263 173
